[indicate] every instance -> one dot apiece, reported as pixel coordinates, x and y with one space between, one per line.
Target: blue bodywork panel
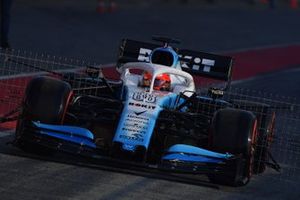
71 130
191 158
73 134
188 149
139 115
182 152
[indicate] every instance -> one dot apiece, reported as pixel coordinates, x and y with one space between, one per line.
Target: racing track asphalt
24 177
81 33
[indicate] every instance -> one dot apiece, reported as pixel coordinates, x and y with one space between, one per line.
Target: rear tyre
46 100
234 131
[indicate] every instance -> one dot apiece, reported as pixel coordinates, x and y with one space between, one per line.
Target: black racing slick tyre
234 131
265 116
45 100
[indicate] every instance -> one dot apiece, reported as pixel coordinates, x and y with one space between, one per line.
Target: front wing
179 158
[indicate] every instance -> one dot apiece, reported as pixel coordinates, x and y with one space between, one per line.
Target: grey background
75 29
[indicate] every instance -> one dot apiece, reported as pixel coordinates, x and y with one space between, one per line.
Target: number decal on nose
144 97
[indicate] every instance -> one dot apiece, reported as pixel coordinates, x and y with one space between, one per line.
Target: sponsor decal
136 137
197 62
137 121
131 116
144 55
149 107
135 127
139 113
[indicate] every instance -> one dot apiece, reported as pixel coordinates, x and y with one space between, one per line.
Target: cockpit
165 56
153 77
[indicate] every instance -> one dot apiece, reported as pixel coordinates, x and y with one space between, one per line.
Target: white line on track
259 76
34 74
5 133
42 73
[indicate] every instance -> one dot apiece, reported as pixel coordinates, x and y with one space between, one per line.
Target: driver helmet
162 81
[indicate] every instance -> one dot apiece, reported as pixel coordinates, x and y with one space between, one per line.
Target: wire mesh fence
278 130
17 68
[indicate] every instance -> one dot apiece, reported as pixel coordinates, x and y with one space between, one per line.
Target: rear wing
196 63
135 51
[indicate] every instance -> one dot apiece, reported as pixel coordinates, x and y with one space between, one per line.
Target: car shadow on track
7 148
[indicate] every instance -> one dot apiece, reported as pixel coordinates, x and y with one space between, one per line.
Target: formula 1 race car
152 115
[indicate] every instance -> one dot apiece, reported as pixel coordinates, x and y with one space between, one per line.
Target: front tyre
234 131
46 100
